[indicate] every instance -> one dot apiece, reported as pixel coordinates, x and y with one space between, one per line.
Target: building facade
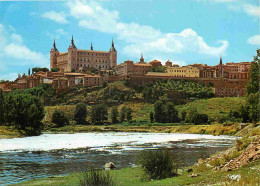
76 59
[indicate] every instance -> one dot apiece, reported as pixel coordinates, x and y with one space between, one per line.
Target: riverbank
8 132
238 165
213 129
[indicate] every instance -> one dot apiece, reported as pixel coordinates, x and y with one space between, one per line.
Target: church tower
142 58
72 57
221 66
112 55
53 55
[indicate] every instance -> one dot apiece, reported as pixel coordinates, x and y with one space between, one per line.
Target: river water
46 155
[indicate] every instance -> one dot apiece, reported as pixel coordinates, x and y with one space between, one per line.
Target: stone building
184 71
77 59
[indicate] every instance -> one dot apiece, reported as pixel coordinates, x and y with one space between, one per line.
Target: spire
72 45
142 59
54 46
91 47
112 47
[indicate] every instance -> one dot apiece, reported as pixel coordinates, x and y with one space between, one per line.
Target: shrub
59 118
114 115
80 113
99 114
157 164
96 177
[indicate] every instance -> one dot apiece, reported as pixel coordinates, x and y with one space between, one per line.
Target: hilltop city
80 67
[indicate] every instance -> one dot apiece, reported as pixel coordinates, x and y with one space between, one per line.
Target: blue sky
186 32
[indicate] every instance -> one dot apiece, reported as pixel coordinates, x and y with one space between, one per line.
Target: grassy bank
133 176
215 129
10 132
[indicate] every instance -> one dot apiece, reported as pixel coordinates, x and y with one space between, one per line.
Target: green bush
80 113
157 164
96 178
59 118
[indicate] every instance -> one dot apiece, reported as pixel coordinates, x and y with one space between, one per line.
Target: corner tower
112 55
53 56
72 57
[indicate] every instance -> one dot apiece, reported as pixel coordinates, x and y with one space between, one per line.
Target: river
46 155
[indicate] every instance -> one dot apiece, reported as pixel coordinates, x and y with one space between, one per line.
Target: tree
104 84
24 112
1 107
38 69
123 114
171 114
55 69
99 113
129 114
60 118
114 115
159 111
80 113
151 117
245 113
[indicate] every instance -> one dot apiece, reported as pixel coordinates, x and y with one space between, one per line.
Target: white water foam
46 142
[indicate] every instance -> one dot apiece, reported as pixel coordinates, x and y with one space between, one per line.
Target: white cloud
254 40
14 53
16 38
252 10
22 52
58 34
141 38
59 17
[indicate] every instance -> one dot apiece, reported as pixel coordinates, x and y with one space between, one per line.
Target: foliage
1 107
171 113
192 116
114 115
159 111
60 118
96 177
157 164
99 113
55 69
23 111
253 84
123 114
175 88
151 117
39 69
80 113
158 69
104 84
165 113
129 114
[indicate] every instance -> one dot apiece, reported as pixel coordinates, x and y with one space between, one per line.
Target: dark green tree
159 114
99 114
123 114
104 84
171 114
151 117
114 115
1 107
129 114
80 113
55 69
60 118
245 113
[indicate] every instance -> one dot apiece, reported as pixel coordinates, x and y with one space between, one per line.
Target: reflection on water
35 157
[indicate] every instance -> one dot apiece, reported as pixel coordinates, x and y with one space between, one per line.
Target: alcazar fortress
78 67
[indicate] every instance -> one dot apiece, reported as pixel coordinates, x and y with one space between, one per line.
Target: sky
183 31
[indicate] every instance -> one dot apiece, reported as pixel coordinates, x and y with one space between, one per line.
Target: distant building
77 59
